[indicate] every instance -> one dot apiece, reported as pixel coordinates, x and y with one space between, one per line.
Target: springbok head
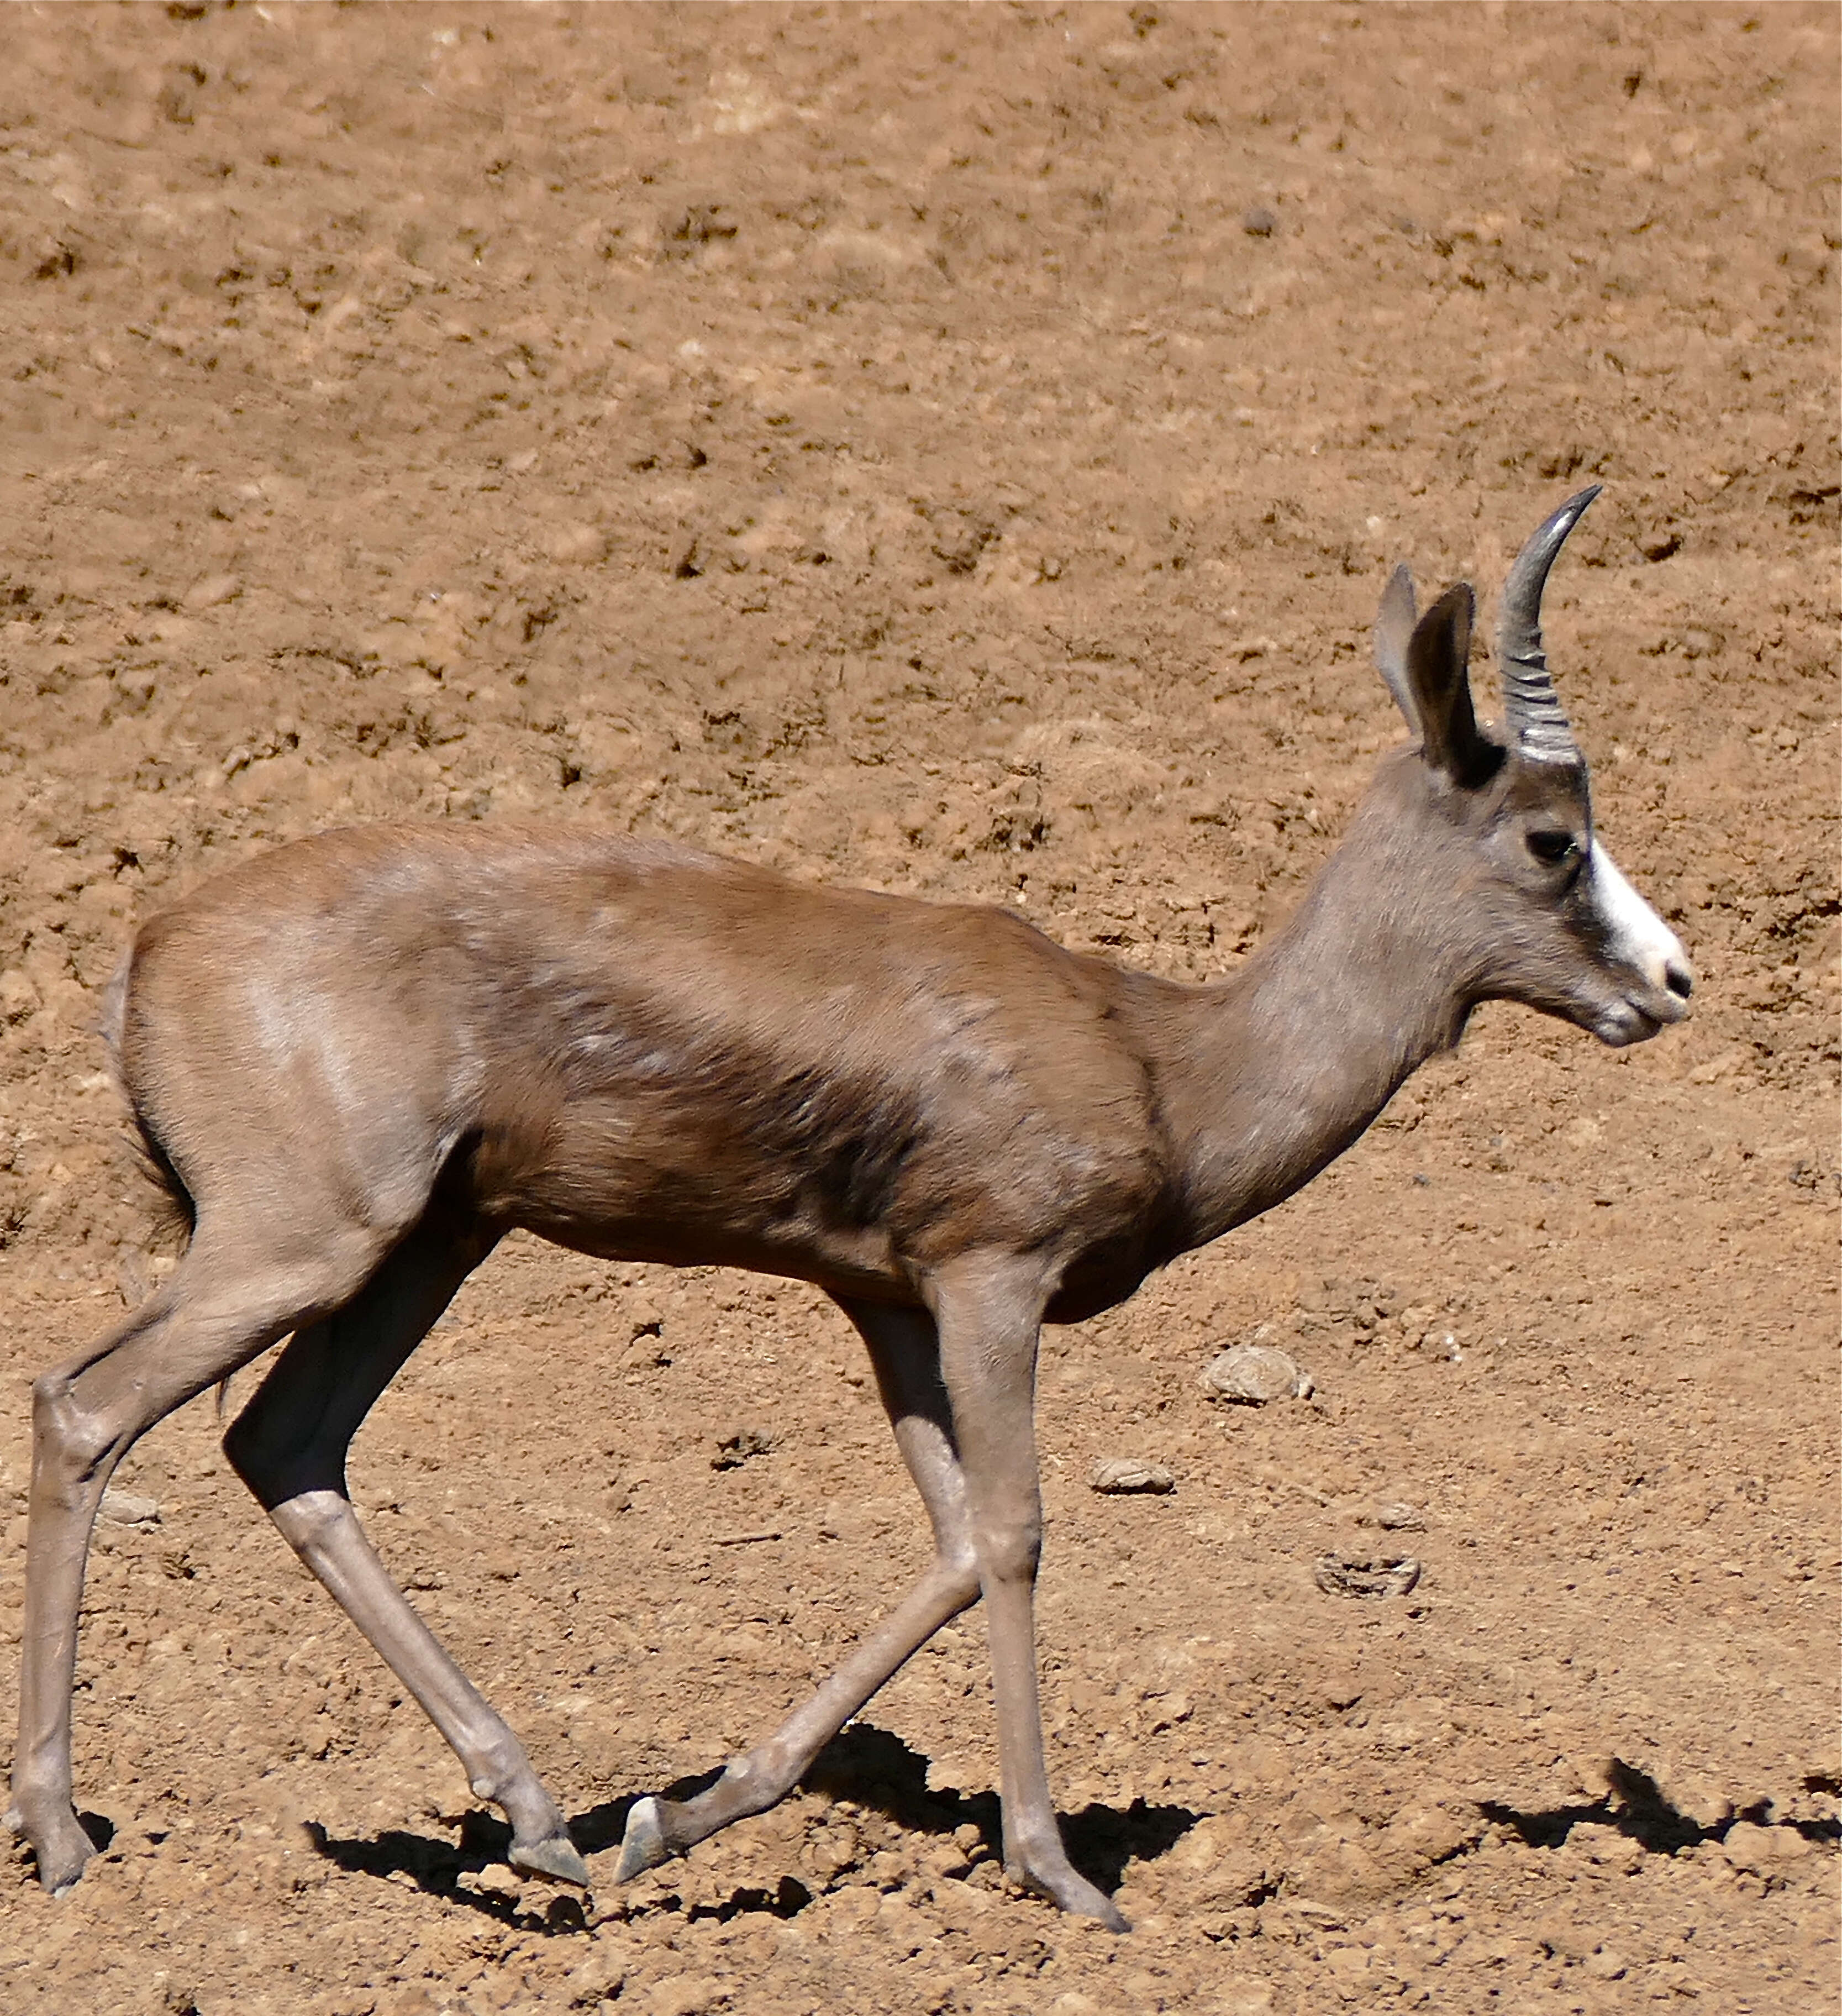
1547 918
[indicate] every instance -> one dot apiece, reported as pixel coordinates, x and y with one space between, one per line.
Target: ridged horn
1532 711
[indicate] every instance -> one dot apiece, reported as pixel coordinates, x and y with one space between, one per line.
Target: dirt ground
959 451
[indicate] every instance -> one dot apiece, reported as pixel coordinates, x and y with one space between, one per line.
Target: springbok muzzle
1638 941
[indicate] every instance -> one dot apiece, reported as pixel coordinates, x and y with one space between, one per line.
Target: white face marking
1636 935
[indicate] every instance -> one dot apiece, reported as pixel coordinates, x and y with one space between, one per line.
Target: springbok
356 1062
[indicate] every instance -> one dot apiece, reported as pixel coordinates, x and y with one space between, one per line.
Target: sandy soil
960 451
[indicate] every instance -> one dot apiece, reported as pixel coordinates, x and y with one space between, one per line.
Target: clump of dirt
959 451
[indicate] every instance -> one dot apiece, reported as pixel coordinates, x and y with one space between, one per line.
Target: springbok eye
1553 847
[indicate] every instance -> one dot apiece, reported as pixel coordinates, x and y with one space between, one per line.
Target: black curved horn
1532 711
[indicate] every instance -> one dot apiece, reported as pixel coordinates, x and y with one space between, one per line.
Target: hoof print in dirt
733 1451
1124 1476
1366 1575
1251 1375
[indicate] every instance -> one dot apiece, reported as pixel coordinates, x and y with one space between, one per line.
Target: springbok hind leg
288 1444
229 1299
907 1361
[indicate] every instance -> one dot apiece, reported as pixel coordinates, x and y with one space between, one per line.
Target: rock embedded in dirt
577 545
18 998
1396 1517
127 1508
596 1980
1251 1375
1122 1476
211 592
1215 1869
1366 1575
1756 1850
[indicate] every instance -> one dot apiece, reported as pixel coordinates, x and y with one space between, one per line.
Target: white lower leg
323 1529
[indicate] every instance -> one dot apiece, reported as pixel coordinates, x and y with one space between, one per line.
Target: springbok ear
1438 655
1394 627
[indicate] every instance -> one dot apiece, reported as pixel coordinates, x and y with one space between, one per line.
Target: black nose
1680 981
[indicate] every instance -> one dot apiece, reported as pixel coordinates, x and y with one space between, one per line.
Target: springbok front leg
288 1444
231 1296
906 1357
989 1308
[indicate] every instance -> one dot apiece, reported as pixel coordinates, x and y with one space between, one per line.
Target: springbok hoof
555 1857
643 1846
61 1852
1066 1887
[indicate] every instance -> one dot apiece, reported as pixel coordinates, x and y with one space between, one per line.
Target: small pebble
1117 1475
1259 222
1397 1518
1366 1575
1252 1374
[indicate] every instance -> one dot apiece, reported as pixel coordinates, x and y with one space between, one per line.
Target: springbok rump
357 1062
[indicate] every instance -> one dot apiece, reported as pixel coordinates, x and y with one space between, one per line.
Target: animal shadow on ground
869 1767
864 1767
437 1867
1636 1806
